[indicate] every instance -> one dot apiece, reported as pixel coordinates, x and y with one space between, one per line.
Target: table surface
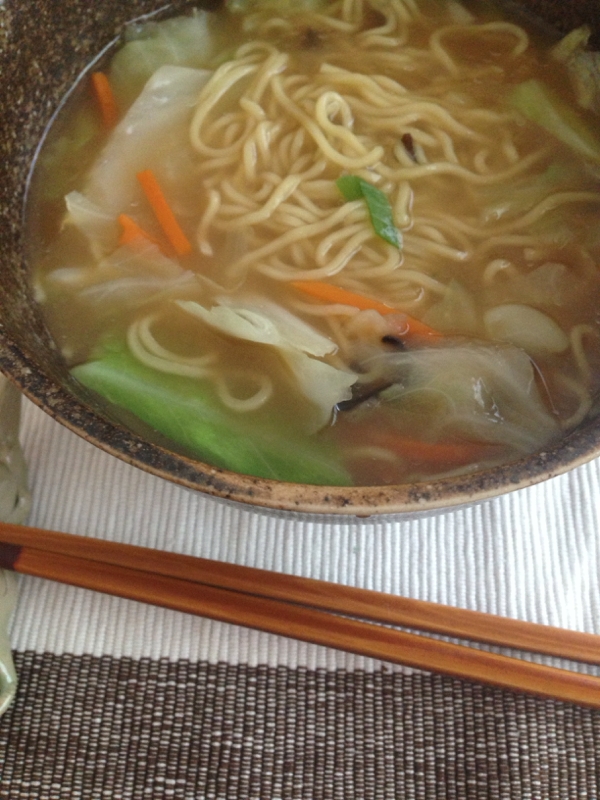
118 699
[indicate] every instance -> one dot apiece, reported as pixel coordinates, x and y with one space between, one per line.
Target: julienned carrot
164 213
453 454
131 231
106 99
415 327
335 294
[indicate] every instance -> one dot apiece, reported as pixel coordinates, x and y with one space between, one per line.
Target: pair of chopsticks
314 611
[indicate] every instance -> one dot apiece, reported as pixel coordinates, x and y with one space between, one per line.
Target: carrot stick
450 453
163 212
416 328
105 98
335 294
131 232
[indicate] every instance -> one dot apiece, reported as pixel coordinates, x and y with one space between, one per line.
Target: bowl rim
435 495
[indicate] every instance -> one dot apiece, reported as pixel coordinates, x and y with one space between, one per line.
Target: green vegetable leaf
282 7
380 211
187 412
540 105
183 41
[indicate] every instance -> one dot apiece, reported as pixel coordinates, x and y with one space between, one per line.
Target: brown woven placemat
85 727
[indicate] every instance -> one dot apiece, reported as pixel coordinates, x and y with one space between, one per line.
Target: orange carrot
163 212
131 232
452 454
335 294
414 327
106 99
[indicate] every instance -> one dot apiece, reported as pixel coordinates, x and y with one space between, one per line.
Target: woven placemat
122 700
85 727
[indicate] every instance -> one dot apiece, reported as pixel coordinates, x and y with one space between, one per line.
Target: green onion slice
380 211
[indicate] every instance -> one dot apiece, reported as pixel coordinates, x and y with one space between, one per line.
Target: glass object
14 507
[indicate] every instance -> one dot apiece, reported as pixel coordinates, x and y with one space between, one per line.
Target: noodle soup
329 243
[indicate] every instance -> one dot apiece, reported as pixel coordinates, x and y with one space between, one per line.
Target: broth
378 261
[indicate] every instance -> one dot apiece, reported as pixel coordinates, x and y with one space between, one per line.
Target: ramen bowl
43 50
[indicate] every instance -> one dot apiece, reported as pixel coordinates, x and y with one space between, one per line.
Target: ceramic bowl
43 48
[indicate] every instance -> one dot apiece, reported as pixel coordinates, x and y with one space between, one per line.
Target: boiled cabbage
526 327
541 105
153 134
97 226
125 279
181 41
187 411
583 66
490 390
280 7
297 344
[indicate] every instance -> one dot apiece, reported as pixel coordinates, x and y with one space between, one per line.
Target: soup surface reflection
329 243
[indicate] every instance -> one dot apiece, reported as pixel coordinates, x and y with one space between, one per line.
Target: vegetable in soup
330 243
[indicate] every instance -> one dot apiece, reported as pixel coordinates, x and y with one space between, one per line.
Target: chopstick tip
9 555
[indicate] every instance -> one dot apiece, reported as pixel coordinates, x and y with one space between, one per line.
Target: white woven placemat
532 554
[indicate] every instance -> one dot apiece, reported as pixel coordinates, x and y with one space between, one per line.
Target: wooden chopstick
421 615
300 608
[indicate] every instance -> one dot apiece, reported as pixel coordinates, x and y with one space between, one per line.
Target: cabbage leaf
526 327
490 390
187 412
298 345
541 105
583 66
259 320
181 41
127 278
96 225
285 8
152 133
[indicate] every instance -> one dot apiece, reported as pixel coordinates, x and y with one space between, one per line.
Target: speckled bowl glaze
44 46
